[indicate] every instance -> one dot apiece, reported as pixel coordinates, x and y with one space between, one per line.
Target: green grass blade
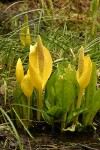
23 125
13 127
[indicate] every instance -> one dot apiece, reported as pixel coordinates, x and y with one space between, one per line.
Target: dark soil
45 139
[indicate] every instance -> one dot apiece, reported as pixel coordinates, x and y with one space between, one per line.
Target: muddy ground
45 139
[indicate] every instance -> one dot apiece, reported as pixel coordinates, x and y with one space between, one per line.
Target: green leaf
50 99
55 111
93 109
61 91
75 113
47 118
65 90
50 94
50 91
61 68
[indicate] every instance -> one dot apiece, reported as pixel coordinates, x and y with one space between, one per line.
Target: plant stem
28 98
63 122
39 103
80 94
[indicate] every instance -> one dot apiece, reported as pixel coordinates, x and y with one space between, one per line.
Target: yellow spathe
40 64
25 81
19 71
83 74
26 85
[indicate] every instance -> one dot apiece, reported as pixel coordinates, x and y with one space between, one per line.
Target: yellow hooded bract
83 74
40 64
25 81
26 86
19 71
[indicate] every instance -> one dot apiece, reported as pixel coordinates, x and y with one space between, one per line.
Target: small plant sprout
25 33
83 75
40 68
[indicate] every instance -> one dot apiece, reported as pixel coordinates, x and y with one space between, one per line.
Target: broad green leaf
49 99
65 90
74 113
61 90
47 118
50 86
93 109
55 111
50 91
61 68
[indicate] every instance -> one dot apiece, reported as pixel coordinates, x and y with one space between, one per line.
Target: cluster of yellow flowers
40 68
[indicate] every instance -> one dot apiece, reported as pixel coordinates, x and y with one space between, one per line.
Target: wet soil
45 139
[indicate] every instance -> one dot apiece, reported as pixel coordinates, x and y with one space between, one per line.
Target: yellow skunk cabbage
26 86
25 33
40 68
83 75
40 64
84 71
19 71
25 82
